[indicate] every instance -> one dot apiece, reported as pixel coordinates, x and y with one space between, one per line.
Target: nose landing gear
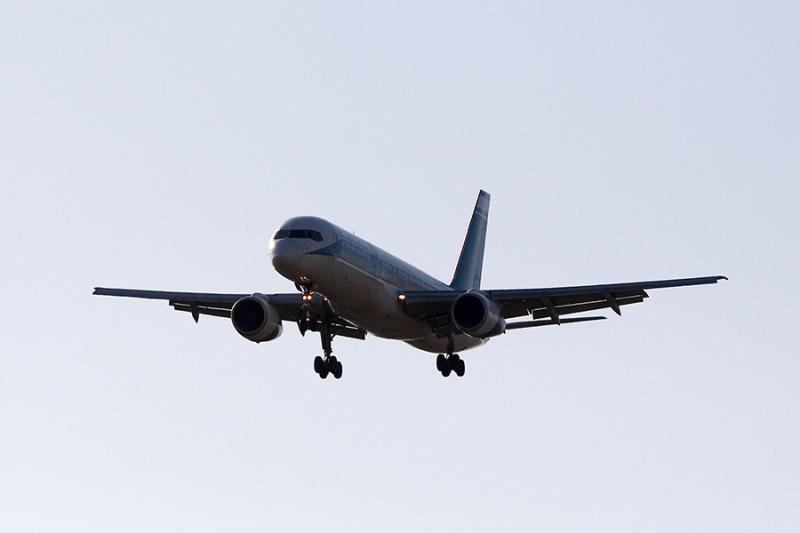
317 315
328 365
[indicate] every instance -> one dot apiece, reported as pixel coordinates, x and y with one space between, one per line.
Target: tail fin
470 263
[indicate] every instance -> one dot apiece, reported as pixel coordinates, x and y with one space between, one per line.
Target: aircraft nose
287 254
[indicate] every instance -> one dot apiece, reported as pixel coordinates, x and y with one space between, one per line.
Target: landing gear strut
311 320
328 364
452 362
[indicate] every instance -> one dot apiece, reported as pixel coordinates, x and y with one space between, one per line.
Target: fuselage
362 283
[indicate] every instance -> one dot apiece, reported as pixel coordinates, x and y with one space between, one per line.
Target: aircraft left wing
290 307
544 303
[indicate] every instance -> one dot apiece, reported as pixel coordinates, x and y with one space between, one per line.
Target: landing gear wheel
328 365
458 366
449 364
446 366
335 367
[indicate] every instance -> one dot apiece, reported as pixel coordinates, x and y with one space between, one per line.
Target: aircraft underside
372 304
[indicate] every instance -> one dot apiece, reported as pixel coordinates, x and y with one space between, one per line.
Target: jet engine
477 316
255 319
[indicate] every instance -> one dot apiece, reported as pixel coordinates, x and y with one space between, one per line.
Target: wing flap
538 312
537 323
201 310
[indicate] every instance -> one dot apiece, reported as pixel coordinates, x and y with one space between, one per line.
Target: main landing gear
328 364
451 362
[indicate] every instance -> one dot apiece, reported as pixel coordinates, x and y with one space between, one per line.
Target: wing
197 303
290 307
546 303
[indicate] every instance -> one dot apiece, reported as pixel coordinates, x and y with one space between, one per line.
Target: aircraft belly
436 344
363 299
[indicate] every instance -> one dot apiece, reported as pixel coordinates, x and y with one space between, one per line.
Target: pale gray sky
158 145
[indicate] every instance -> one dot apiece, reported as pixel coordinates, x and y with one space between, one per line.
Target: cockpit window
298 234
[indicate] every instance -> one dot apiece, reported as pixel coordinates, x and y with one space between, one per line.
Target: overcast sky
158 145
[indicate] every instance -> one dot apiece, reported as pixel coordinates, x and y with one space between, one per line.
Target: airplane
348 287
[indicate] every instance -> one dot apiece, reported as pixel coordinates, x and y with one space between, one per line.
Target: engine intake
255 319
477 316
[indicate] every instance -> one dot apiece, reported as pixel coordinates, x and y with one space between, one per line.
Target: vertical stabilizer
470 263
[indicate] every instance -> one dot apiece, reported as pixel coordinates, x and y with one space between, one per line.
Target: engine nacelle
477 316
255 319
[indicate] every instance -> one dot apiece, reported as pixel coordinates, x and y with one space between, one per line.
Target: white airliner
349 287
